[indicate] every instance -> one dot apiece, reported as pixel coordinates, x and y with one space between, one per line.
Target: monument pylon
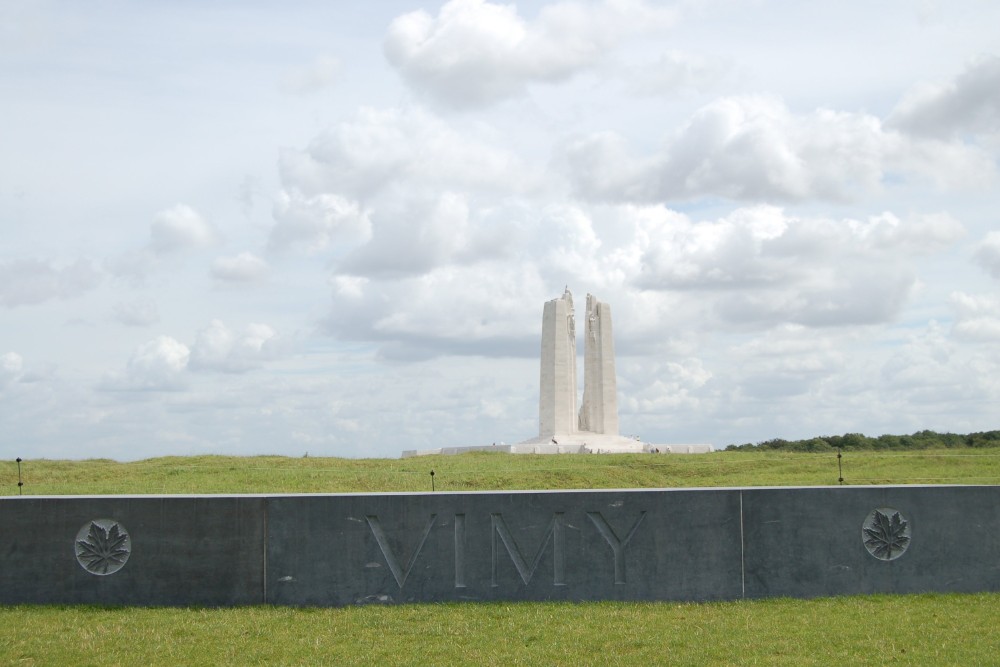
557 394
599 412
557 403
561 429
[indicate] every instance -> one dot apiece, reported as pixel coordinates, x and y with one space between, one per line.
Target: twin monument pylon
562 427
558 418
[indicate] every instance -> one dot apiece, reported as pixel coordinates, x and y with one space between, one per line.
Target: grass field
488 471
921 629
878 630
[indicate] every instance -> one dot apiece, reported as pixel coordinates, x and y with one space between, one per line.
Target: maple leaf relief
103 549
886 536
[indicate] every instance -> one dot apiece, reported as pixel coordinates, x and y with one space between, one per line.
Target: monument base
572 443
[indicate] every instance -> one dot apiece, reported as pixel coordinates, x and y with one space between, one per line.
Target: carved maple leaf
102 549
886 536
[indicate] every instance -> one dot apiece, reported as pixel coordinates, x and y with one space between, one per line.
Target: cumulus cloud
165 363
218 348
929 370
315 222
660 388
770 267
311 78
977 317
33 281
756 268
179 228
755 148
242 268
463 310
381 149
11 366
988 254
969 104
157 364
414 235
399 192
475 53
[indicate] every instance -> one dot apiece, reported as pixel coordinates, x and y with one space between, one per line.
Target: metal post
20 484
432 480
840 467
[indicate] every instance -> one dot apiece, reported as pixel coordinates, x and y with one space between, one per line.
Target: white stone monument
557 386
599 412
561 429
595 427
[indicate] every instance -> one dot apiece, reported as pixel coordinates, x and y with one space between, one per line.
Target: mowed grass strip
496 471
921 629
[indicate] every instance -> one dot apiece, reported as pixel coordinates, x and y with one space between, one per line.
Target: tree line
849 441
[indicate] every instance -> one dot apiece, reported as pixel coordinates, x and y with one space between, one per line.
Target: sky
329 228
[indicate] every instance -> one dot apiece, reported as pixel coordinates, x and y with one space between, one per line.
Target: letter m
554 532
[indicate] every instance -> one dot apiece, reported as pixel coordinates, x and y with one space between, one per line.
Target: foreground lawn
489 471
922 629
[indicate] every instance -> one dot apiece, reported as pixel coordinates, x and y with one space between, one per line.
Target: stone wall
705 544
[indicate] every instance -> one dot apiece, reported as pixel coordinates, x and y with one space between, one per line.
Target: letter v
398 573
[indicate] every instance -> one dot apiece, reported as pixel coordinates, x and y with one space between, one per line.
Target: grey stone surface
337 550
677 544
184 550
807 542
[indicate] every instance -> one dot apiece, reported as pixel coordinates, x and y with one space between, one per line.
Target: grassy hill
497 471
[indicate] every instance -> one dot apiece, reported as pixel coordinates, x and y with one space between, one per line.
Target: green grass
923 629
489 471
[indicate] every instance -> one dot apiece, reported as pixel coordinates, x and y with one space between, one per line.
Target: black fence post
432 480
840 467
20 483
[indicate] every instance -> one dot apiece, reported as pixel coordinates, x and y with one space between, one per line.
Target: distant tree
925 439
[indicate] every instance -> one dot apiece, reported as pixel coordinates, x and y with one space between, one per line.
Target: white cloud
977 317
475 53
988 253
243 268
661 387
767 267
156 364
386 149
11 366
756 268
32 281
755 148
179 228
218 348
311 78
930 371
920 234
415 235
314 222
458 310
969 104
